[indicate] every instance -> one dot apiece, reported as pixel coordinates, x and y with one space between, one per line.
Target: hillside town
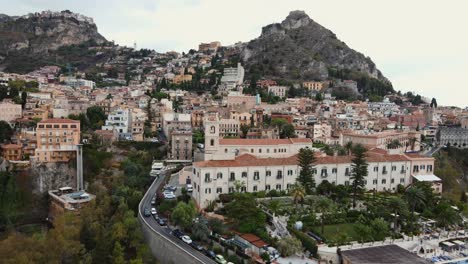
243 167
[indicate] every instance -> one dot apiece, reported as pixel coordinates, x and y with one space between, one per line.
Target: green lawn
332 231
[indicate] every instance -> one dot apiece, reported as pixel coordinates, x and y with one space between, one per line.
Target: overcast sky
420 45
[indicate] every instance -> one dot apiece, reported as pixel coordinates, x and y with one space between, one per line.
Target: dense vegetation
106 231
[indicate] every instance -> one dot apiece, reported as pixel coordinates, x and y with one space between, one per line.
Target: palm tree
323 206
274 206
349 147
298 193
398 207
446 215
415 197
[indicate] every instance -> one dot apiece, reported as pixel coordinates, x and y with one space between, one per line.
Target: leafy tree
358 171
305 160
200 231
434 103
287 131
10 197
5 131
245 214
379 228
184 213
118 254
244 129
289 246
96 116
318 97
349 147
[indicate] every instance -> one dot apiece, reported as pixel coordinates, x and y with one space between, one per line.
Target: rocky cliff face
46 31
300 48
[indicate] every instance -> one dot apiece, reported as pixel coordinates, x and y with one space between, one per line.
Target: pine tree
359 171
305 160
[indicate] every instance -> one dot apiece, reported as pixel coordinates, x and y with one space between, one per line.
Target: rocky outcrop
46 31
50 176
300 48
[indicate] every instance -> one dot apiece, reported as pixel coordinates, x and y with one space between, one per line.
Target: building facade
9 111
57 140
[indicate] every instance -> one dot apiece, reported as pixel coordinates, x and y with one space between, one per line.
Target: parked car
220 259
274 254
196 246
177 233
147 212
153 211
187 239
210 254
153 201
189 188
170 188
156 217
161 222
169 195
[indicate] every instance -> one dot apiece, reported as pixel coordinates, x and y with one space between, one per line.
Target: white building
75 83
213 177
120 120
279 91
175 121
233 77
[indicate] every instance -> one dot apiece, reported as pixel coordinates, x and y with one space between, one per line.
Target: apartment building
321 132
10 111
181 145
408 140
175 121
120 120
12 152
57 140
314 86
280 91
232 77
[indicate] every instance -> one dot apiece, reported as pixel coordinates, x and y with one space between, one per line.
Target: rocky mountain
41 32
38 37
300 48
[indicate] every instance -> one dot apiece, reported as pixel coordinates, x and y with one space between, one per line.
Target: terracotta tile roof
257 142
250 237
58 121
10 146
248 160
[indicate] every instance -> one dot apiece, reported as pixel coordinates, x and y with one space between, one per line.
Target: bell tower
211 124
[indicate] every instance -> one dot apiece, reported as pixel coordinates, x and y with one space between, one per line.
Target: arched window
212 129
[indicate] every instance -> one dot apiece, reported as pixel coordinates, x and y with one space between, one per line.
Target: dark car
196 246
147 212
170 188
161 222
177 233
210 254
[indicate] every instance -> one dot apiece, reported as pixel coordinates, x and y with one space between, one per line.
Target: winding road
165 231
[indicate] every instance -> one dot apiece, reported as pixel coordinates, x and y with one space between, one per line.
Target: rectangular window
376 169
324 173
256 175
392 180
279 175
255 188
267 187
415 168
347 172
402 180
374 182
207 177
219 190
393 168
429 168
334 170
244 174
278 187
290 172
268 173
346 183
231 189
384 181
232 177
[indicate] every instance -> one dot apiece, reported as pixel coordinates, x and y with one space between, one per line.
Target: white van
156 169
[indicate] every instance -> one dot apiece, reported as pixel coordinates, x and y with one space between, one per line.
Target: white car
189 188
186 239
153 211
169 195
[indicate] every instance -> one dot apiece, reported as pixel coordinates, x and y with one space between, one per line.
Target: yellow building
57 140
315 86
178 79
